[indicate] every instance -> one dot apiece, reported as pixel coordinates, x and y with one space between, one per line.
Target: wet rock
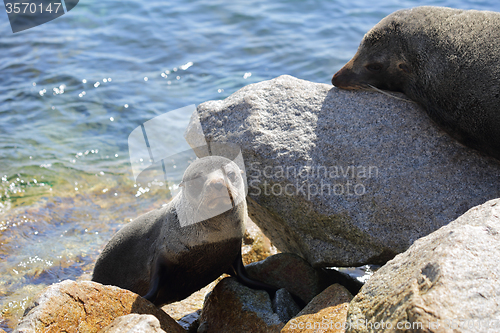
86 306
448 281
344 178
232 307
327 312
134 323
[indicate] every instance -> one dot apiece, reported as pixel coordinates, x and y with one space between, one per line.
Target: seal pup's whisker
198 208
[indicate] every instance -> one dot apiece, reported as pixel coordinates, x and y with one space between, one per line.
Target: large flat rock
344 178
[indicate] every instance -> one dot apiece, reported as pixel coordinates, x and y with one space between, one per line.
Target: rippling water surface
73 89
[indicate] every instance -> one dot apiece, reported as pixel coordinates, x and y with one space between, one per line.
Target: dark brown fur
155 257
447 60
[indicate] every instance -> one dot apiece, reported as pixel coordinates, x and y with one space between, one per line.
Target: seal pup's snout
218 184
219 193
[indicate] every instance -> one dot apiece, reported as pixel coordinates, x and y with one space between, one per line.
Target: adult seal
447 60
167 254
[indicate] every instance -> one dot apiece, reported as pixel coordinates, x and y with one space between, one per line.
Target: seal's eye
375 67
404 68
232 176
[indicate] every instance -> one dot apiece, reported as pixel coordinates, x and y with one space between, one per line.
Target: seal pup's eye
231 175
375 67
194 183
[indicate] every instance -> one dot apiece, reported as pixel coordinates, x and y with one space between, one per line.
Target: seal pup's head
212 186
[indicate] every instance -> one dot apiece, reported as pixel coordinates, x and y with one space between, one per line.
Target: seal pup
447 60
169 253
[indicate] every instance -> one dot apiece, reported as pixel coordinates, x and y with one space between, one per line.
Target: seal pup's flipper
159 275
153 290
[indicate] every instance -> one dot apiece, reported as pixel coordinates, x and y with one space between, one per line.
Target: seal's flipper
239 271
154 287
157 280
151 295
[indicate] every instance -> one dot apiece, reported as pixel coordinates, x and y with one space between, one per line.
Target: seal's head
213 185
381 60
446 60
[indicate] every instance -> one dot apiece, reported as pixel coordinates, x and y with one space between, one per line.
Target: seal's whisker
198 208
389 94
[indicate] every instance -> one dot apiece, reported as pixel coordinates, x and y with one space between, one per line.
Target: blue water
73 89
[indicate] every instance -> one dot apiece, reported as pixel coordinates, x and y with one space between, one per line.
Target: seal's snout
341 79
218 184
348 78
219 196
335 79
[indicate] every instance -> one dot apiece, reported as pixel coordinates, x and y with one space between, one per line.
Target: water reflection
59 237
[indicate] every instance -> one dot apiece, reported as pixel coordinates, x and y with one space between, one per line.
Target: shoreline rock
448 281
134 323
326 312
86 306
297 276
232 307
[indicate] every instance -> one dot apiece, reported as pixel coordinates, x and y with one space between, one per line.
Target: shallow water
73 89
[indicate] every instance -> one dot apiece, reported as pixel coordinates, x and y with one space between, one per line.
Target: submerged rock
448 281
344 178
